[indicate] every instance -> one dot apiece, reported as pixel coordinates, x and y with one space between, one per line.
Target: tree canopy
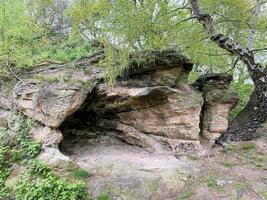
126 27
30 30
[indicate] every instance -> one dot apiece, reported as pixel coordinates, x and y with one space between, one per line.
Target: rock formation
152 107
219 101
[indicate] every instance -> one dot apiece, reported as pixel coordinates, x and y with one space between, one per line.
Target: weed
228 164
211 182
259 157
80 174
104 196
192 157
185 195
239 185
258 165
39 182
231 148
248 146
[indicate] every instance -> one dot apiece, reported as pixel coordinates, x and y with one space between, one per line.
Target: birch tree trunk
244 126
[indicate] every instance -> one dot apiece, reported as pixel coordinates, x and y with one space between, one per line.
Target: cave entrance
96 130
90 133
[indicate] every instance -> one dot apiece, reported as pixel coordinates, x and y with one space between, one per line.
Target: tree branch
235 48
234 65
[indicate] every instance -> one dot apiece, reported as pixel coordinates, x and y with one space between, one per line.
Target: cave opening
92 130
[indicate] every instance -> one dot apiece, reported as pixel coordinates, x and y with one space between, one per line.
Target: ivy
16 146
39 182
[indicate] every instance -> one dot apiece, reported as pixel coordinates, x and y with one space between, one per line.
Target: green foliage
27 37
211 182
125 28
228 164
185 195
104 196
66 51
248 146
193 157
39 182
22 126
244 91
80 174
17 35
16 149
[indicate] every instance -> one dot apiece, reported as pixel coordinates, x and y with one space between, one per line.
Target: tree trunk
244 126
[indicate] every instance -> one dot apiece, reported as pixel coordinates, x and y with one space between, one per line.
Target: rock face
219 101
148 115
51 96
146 109
152 106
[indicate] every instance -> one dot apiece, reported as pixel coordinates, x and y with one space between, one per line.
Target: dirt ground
125 172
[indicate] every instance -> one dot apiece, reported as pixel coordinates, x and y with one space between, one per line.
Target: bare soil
238 171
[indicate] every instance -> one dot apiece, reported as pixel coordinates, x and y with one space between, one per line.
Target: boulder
49 103
52 156
47 136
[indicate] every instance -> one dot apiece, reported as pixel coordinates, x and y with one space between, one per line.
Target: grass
228 164
192 157
259 165
239 185
104 196
248 146
80 174
210 182
259 157
185 195
264 194
231 148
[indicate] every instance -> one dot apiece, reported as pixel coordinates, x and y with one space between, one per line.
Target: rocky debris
53 156
219 100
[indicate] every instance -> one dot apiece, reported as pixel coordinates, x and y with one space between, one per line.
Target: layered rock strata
152 106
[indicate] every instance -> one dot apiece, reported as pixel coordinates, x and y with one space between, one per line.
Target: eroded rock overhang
152 107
